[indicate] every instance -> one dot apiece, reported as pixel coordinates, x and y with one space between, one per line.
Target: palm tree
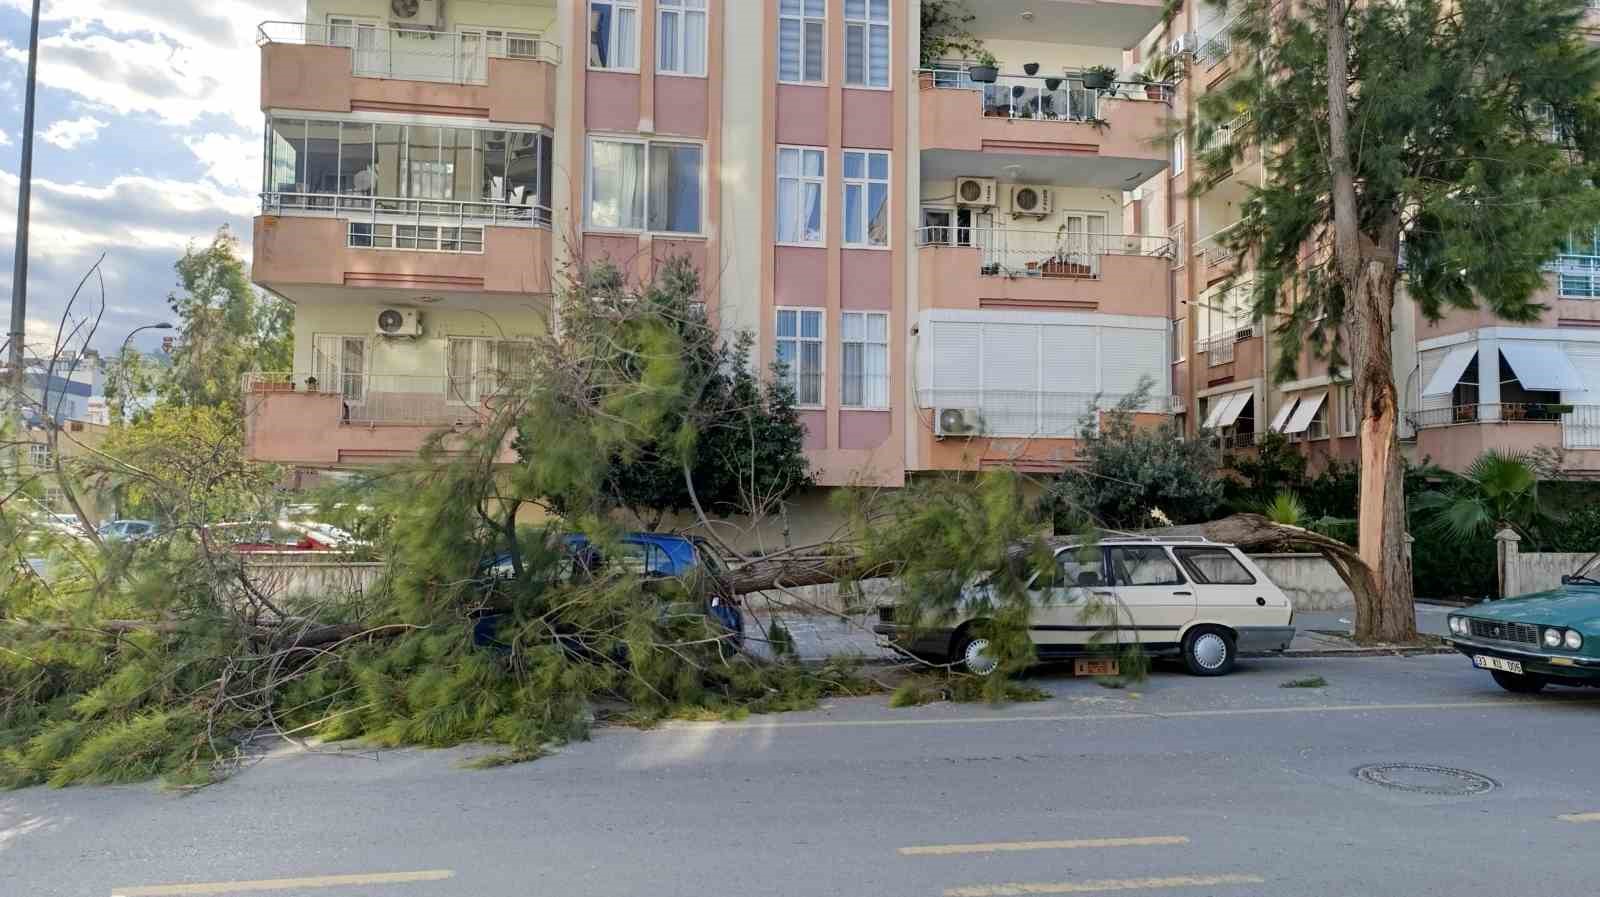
1286 508
1500 489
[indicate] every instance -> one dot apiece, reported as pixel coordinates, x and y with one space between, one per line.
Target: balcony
1125 124
1236 354
503 75
358 418
998 268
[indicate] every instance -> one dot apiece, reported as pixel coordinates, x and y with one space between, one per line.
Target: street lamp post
19 270
122 358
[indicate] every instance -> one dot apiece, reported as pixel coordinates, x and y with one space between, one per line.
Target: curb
1356 652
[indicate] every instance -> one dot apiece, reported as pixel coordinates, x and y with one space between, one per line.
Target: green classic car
1547 638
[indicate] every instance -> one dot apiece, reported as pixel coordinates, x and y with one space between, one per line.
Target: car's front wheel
975 654
1208 651
1520 683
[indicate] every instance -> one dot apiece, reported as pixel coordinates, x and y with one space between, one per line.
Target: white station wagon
1203 601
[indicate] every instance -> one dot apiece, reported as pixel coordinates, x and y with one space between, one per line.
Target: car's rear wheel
1521 683
1208 651
975 654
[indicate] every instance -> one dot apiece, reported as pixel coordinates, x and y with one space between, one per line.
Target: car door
1152 597
1059 601
1227 591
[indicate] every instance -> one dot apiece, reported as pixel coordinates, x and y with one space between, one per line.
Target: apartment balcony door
340 365
367 40
1083 240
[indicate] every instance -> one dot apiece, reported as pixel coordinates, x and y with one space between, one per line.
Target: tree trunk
1367 272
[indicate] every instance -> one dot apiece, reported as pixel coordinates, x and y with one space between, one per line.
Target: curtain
877 362
616 191
353 368
694 43
852 334
460 370
627 40
667 39
600 35
675 188
852 213
789 227
789 49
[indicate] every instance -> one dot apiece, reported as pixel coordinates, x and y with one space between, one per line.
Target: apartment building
1467 382
953 270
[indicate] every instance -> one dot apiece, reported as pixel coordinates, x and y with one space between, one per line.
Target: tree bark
1368 275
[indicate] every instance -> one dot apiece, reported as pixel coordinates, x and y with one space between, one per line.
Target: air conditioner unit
956 422
976 192
416 13
1027 199
399 322
1186 45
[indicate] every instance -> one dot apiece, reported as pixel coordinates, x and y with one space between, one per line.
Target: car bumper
927 642
1264 639
1550 665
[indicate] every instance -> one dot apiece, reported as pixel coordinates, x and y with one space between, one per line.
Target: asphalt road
1230 787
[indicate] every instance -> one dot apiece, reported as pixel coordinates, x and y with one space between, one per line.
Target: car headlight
1458 625
1574 639
1552 638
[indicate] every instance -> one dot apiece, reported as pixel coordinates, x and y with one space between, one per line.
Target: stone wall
1308 579
1523 573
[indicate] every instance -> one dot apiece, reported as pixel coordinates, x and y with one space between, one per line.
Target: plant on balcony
985 68
1159 73
1099 77
946 32
1417 149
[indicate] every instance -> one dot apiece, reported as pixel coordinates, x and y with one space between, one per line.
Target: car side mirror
1566 580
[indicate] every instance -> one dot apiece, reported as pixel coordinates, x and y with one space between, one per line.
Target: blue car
650 556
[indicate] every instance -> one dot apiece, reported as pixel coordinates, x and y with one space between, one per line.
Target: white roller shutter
1581 428
1069 376
955 355
1128 356
1011 379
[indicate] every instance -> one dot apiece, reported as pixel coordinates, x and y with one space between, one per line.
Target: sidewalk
819 637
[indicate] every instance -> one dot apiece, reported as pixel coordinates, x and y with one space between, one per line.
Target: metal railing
406 210
1215 43
1577 276
1060 97
415 54
1211 249
1219 346
1499 412
405 399
1031 413
1043 253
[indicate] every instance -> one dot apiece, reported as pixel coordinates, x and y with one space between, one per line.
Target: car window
1144 565
642 559
1216 566
1080 569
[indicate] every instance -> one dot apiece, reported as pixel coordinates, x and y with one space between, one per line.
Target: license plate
1095 666
1495 663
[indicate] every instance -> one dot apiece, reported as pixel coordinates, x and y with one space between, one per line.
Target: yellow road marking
1104 884
283 884
1102 717
1580 817
1009 846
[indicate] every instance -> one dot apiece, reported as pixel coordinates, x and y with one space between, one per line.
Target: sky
148 138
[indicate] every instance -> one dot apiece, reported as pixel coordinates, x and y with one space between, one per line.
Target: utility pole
19 269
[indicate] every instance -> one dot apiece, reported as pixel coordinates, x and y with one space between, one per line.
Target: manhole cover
1420 778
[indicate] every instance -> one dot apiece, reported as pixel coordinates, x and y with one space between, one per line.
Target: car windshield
1589 573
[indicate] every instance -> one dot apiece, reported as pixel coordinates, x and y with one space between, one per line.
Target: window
340 365
800 351
681 37
381 235
1144 566
1214 566
645 185
866 43
1180 339
800 184
801 24
470 370
55 498
1349 414
864 339
614 34
1180 150
39 454
946 227
1079 569
866 198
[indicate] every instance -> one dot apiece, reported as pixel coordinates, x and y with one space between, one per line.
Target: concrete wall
298 576
1308 579
1526 573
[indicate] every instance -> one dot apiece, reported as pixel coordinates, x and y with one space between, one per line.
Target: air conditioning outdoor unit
416 13
976 192
1186 45
956 422
399 322
1027 199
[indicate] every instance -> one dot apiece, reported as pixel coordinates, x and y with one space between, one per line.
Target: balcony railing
1501 412
1212 249
1215 42
415 54
1042 253
1031 413
371 399
407 210
1577 276
1033 97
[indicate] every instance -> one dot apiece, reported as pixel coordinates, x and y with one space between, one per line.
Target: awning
1542 366
1304 412
1236 403
1282 416
1444 379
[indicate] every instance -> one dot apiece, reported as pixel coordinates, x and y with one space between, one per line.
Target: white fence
1008 252
414 54
372 398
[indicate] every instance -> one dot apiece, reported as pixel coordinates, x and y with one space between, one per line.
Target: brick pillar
1505 556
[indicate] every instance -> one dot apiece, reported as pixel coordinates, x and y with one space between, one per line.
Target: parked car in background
1547 638
1202 601
128 530
653 557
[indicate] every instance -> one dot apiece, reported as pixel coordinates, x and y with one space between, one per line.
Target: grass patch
913 694
971 689
1307 682
507 758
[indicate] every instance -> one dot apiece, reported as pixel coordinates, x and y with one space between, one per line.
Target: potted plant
985 68
1030 68
1052 83
311 384
1098 77
1160 72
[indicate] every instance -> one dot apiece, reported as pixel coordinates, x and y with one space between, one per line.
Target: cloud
68 134
231 161
5 139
